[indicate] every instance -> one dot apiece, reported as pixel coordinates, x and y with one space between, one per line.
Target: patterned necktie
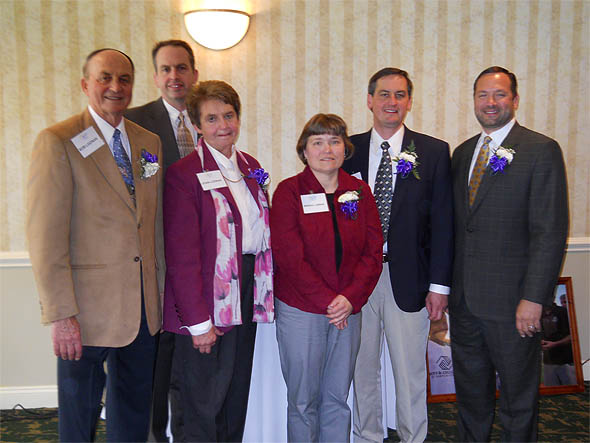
123 162
479 168
184 139
384 189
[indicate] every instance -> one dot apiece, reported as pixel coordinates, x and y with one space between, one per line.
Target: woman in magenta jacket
327 250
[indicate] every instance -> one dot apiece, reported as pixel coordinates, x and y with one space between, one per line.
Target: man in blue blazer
409 173
175 74
511 220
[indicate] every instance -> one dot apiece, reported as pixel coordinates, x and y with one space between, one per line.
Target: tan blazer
87 239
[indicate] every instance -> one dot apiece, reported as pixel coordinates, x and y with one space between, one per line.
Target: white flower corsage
149 164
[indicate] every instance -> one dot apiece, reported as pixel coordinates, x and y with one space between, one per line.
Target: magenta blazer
190 238
303 246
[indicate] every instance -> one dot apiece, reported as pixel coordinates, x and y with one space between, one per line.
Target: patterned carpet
562 418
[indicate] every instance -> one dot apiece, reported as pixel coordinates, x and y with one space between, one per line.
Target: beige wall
300 58
28 367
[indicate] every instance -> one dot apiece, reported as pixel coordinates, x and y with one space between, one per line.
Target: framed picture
561 368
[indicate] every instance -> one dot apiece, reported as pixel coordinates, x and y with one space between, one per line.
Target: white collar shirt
497 136
252 218
173 114
108 131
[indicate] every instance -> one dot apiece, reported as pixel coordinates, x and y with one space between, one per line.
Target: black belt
385 258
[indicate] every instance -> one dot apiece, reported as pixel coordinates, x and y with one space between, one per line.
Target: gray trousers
317 361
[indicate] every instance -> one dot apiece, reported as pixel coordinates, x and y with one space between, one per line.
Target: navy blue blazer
420 237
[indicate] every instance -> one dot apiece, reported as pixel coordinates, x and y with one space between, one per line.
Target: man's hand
436 304
528 318
67 341
338 310
205 342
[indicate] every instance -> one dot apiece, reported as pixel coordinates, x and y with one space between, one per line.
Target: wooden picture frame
439 362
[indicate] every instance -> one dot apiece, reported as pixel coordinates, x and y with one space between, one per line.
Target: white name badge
87 141
211 180
313 203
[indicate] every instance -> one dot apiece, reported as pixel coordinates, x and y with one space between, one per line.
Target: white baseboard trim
28 396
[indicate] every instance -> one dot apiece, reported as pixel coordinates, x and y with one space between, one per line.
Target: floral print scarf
226 283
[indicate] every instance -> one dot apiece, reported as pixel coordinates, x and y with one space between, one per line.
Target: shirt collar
174 113
105 127
498 135
224 163
394 141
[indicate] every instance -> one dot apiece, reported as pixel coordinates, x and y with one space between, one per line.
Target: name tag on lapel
87 141
211 180
313 203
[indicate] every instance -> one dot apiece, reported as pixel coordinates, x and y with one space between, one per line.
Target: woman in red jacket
327 250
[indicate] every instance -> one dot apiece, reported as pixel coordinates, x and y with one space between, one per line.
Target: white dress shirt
108 131
252 219
173 113
497 136
375 154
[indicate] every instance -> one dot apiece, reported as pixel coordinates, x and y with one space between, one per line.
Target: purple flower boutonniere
502 157
149 164
349 203
261 176
407 161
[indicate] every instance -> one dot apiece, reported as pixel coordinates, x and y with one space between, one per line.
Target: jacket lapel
105 162
488 179
401 184
363 157
251 183
144 189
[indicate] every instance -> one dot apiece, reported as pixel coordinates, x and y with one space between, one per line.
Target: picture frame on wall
561 362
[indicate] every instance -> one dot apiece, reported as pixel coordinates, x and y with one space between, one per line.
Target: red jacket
303 246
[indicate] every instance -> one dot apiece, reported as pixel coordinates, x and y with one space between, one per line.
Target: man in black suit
409 174
511 220
175 73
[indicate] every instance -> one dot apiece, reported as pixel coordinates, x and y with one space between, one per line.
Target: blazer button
469 229
136 259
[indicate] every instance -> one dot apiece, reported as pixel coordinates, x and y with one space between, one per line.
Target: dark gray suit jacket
510 244
154 117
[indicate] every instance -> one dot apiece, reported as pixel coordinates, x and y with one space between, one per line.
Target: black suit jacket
154 117
510 244
420 237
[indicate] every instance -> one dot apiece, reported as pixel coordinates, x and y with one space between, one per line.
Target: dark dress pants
165 390
215 386
129 390
479 348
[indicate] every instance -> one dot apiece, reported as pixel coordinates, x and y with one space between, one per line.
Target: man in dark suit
409 174
175 73
511 220
94 226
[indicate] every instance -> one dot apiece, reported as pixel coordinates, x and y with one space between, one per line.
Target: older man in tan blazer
94 231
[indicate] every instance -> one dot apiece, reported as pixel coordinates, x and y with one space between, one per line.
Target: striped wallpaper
303 57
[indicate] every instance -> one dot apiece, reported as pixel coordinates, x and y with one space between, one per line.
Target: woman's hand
338 311
205 342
